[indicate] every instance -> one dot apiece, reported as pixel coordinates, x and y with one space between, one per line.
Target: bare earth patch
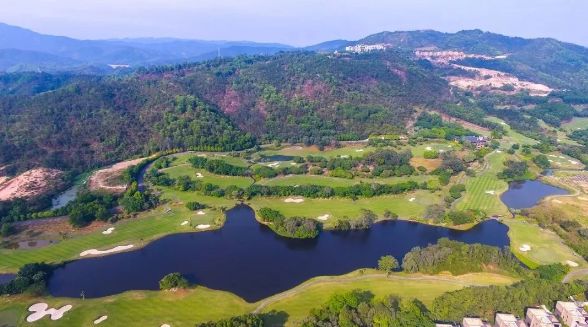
30 184
109 179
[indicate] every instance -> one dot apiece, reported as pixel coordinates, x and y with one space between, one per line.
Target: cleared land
185 308
110 179
30 184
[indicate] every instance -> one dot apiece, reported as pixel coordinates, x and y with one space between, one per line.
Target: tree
173 280
7 230
387 264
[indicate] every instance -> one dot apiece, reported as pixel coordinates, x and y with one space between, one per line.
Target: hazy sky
301 22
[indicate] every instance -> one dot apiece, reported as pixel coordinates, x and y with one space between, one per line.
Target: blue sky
301 22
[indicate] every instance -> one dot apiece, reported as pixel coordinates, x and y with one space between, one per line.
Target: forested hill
232 104
543 60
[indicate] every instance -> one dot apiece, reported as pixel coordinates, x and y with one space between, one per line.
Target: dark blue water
527 194
276 157
250 260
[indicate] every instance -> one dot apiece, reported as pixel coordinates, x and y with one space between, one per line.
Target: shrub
387 264
193 206
173 280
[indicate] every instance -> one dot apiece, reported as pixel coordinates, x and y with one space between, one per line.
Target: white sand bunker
498 151
549 160
561 157
165 325
573 162
184 223
99 320
360 150
553 156
108 231
582 198
40 310
201 155
491 192
292 164
441 151
113 250
203 226
323 217
571 263
429 148
294 200
557 201
411 199
200 213
199 175
344 156
274 164
525 248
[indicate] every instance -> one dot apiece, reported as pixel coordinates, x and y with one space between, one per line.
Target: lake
527 194
250 260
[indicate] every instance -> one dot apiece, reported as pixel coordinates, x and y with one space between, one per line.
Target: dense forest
90 121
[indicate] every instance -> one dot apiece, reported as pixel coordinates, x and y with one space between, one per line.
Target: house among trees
572 314
477 141
474 322
541 317
508 320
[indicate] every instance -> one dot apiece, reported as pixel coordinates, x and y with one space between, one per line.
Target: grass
187 307
317 291
355 150
439 146
546 246
338 208
220 180
576 123
486 180
182 158
336 181
512 136
138 231
562 161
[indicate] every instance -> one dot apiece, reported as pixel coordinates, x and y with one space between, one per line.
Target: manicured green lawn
439 146
483 191
546 246
188 307
220 180
317 291
337 182
355 150
136 231
512 136
235 161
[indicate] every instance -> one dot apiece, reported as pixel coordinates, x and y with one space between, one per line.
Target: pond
527 194
276 157
250 260
64 198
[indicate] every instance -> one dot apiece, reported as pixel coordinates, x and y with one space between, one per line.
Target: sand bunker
200 213
360 150
553 156
582 198
201 155
345 156
573 162
498 151
108 231
99 320
30 184
323 217
571 263
491 192
184 223
165 325
557 201
525 248
40 310
203 226
411 199
429 148
199 175
108 179
113 250
294 200
274 164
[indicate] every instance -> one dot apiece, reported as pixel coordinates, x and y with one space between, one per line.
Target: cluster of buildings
476 141
571 314
363 48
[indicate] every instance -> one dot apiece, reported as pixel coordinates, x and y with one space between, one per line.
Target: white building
540 317
572 314
363 48
508 320
474 322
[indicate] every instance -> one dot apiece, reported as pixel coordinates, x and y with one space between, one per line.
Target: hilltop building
508 320
540 317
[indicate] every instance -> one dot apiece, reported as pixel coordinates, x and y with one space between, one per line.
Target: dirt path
330 279
576 273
